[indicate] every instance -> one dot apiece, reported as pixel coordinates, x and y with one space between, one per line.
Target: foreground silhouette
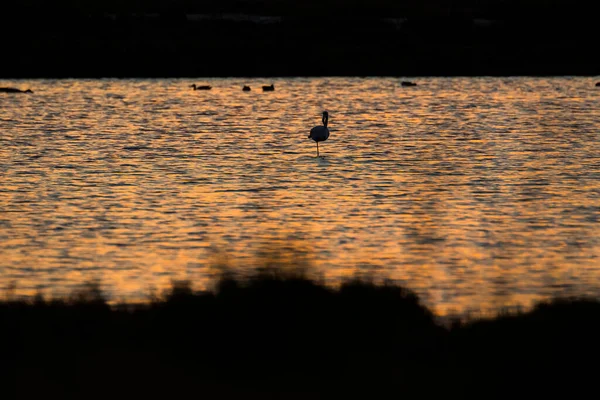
14 90
277 334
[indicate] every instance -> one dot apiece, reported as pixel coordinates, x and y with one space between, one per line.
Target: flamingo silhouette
320 133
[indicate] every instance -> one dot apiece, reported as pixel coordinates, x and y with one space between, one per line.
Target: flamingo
320 133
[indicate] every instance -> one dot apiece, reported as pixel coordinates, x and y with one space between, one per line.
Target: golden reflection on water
476 192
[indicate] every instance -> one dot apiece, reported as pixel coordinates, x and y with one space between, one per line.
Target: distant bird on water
206 87
246 88
408 83
268 88
320 133
597 84
14 90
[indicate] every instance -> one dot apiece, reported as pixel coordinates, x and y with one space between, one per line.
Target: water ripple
473 191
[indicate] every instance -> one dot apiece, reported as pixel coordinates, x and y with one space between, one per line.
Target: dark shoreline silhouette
394 39
279 334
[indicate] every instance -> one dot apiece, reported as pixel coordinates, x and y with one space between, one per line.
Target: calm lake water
475 192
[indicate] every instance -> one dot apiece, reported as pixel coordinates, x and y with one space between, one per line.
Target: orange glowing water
475 192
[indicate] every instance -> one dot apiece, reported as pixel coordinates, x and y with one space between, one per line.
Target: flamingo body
319 133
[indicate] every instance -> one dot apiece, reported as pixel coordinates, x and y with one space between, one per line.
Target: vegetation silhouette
275 332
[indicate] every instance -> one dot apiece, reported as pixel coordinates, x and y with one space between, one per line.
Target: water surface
476 192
